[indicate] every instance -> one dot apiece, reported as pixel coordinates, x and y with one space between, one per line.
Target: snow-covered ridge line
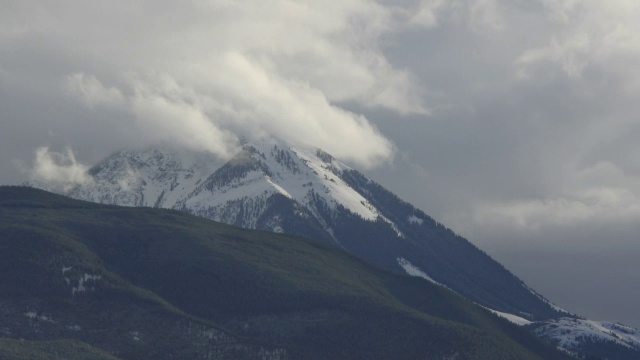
330 186
570 333
553 306
515 319
413 270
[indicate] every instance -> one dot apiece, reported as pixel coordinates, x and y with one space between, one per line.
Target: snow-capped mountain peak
307 176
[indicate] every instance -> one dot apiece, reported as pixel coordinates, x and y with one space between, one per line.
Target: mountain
305 191
88 281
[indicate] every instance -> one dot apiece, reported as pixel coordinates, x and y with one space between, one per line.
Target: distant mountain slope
156 284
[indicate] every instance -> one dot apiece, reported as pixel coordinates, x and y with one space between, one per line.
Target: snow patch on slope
413 270
83 283
278 188
570 333
415 220
512 318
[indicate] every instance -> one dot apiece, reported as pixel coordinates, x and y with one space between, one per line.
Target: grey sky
513 122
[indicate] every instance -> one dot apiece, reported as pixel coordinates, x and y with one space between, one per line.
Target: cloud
487 14
58 170
204 73
595 205
589 33
297 112
502 103
176 121
92 92
343 76
426 14
600 197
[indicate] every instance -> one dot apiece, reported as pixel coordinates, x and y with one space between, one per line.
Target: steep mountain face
305 191
88 281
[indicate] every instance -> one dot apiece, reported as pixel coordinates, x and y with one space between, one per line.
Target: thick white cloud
199 71
60 171
92 92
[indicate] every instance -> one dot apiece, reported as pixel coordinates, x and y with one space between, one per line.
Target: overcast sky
514 122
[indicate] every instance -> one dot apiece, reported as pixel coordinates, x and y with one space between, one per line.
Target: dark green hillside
144 283
50 350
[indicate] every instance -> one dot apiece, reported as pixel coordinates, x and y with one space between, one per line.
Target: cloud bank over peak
547 83
204 73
